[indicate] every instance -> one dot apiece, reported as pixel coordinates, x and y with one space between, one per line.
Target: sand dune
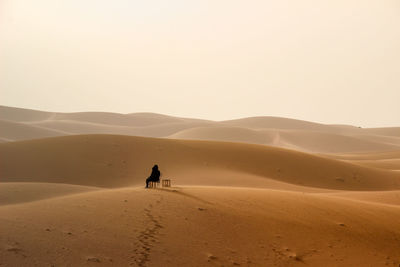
138 120
199 226
309 141
16 193
281 132
4 140
384 160
165 130
367 156
386 197
23 115
388 131
138 124
102 118
14 131
276 123
78 200
113 161
319 142
389 140
230 134
80 127
389 164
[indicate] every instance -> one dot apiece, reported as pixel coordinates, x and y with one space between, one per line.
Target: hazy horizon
321 61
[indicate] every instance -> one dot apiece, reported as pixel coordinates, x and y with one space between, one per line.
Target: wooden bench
166 183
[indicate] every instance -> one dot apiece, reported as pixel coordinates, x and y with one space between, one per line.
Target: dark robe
154 176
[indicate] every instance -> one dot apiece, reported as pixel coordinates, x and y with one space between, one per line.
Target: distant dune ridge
24 124
258 191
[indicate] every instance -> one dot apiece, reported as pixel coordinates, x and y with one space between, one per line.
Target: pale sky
335 62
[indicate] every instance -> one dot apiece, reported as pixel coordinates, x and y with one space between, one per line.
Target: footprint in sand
93 259
147 238
16 250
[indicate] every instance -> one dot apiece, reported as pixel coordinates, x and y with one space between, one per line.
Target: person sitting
154 176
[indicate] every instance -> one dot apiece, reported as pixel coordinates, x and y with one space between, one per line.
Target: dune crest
24 124
114 161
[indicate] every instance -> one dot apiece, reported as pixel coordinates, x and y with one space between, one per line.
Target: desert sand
250 192
272 131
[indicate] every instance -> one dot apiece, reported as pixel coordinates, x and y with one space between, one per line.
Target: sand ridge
115 161
282 132
17 193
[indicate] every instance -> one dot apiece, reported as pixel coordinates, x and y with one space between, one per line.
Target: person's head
155 167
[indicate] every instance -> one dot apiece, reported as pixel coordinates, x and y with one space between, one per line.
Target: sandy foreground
80 201
200 226
249 192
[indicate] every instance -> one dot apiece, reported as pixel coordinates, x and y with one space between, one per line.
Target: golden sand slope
199 226
14 193
383 160
114 161
297 216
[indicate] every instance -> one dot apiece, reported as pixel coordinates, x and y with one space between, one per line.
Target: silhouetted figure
154 176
